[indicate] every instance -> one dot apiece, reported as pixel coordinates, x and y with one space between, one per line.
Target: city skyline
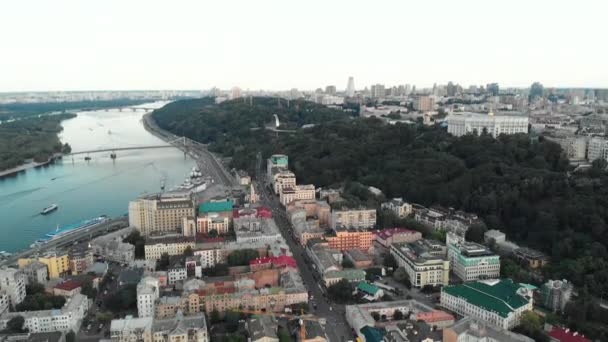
147 45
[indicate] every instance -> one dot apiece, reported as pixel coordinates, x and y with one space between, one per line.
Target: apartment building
69 317
555 294
12 283
424 261
355 218
283 179
299 192
111 247
497 302
160 213
399 207
173 245
276 161
471 261
81 258
386 237
57 263
4 302
597 149
424 103
147 293
313 209
192 328
36 272
342 238
220 224
460 124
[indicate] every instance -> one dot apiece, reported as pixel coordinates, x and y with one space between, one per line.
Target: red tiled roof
69 285
264 212
388 232
434 316
278 261
563 335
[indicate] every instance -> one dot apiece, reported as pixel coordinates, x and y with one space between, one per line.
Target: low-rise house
532 258
176 272
369 291
351 275
68 288
559 334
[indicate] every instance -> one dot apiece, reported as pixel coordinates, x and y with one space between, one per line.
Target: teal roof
529 286
214 207
372 334
367 288
501 297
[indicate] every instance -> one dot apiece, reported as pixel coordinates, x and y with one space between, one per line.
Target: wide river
82 189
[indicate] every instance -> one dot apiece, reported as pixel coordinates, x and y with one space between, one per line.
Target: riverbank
27 166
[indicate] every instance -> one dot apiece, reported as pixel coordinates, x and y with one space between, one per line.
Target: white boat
49 209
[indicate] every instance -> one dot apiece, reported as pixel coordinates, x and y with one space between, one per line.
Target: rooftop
367 288
478 329
500 296
69 285
565 335
215 206
389 232
422 250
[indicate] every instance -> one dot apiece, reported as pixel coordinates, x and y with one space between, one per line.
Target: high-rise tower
350 88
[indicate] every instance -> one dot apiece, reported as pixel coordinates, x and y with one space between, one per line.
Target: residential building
269 299
57 263
555 294
316 210
304 229
350 274
172 245
324 259
160 213
400 208
4 302
192 328
176 272
436 318
36 272
424 103
559 334
221 207
147 293
68 288
81 258
12 283
131 329
342 238
388 236
369 291
378 91
444 219
471 261
597 149
466 123
356 218
299 192
112 248
262 329
69 317
472 330
283 179
359 258
220 224
424 261
494 235
497 302
255 229
532 258
280 161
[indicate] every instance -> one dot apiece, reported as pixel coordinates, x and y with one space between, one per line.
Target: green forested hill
34 138
518 185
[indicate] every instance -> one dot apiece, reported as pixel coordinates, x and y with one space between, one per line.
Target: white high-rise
350 88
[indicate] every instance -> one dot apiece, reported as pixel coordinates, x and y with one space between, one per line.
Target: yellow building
425 261
163 213
177 245
57 263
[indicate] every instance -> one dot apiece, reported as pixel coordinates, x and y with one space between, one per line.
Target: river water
87 189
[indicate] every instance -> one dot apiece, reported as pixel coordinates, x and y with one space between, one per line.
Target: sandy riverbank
26 166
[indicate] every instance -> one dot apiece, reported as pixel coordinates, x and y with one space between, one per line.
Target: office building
460 124
160 213
330 90
471 261
424 261
497 302
342 238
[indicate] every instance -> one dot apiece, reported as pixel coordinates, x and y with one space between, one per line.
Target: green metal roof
501 297
214 207
372 334
367 288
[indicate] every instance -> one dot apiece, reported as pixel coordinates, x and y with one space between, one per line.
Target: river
86 189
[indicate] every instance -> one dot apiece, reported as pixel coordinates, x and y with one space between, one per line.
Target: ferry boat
49 209
60 232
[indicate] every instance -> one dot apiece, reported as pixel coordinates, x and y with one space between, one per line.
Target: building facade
424 261
155 248
356 218
299 192
12 283
495 125
471 261
160 213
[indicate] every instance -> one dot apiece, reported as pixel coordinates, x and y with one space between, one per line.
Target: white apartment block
299 192
495 125
353 218
154 248
175 274
65 319
12 282
283 179
147 293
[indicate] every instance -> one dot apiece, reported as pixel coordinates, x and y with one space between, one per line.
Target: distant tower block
350 88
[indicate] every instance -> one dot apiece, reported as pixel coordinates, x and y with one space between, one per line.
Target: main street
336 327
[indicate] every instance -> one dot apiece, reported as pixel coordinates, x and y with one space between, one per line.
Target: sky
52 45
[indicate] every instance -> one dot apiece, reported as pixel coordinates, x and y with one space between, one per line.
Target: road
336 327
84 234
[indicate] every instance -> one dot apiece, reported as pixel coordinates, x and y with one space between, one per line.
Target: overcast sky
262 44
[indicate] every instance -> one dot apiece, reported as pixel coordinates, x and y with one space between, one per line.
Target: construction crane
301 319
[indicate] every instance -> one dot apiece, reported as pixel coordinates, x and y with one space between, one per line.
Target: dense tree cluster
518 184
241 257
135 239
22 110
38 299
34 138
